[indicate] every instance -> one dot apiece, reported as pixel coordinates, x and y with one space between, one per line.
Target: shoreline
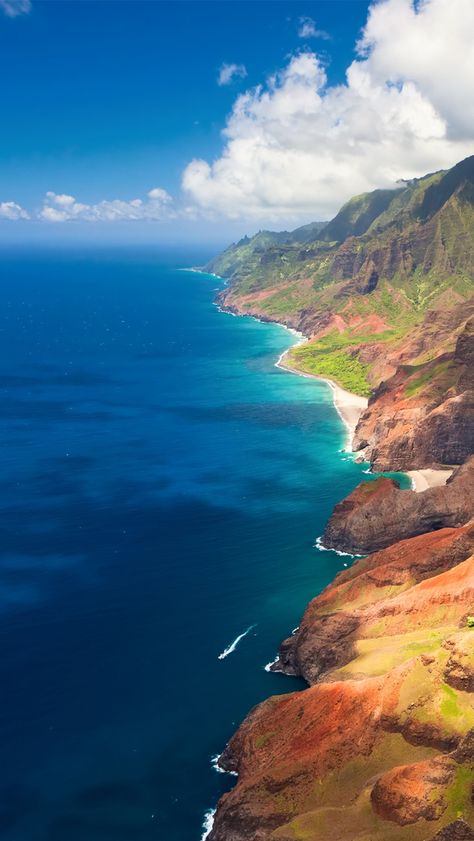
348 405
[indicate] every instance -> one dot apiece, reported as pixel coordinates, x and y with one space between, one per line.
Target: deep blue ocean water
162 487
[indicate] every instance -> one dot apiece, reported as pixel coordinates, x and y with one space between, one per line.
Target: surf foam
268 667
217 767
321 548
208 823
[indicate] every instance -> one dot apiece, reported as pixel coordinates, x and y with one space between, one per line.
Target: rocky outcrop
377 513
409 793
455 831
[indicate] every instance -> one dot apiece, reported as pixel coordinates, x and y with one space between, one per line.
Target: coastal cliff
378 513
380 747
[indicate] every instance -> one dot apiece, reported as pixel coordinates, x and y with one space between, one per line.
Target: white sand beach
428 478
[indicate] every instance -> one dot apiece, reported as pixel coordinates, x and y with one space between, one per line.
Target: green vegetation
340 366
332 357
262 740
430 373
470 621
459 792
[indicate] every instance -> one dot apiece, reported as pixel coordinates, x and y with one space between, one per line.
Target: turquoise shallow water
163 486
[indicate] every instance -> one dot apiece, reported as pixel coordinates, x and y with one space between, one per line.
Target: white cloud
307 29
64 208
13 8
160 195
228 73
297 147
13 211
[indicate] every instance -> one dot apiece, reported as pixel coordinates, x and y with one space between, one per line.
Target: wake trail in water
230 648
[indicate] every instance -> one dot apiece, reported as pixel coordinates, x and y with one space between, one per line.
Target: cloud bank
297 147
12 211
64 208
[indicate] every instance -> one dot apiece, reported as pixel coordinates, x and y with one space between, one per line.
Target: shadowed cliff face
377 513
381 748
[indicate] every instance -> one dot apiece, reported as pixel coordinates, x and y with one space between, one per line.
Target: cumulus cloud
307 29
60 207
228 73
13 211
296 147
13 8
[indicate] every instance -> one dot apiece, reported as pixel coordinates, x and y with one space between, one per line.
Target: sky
191 121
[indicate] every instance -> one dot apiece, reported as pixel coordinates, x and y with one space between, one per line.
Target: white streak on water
319 546
230 648
208 823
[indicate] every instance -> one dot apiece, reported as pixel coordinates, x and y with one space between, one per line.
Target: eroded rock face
455 831
377 514
409 793
423 419
319 647
381 746
459 671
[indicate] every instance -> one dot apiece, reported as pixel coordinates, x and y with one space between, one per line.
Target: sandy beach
348 405
428 478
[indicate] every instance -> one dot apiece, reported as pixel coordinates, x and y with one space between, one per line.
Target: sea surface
163 484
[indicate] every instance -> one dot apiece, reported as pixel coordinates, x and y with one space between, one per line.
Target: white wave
217 767
321 548
230 648
268 667
226 312
208 823
215 764
295 630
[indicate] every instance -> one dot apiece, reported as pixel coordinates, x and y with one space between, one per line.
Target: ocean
163 487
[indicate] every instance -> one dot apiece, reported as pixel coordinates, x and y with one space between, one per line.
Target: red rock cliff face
381 746
377 513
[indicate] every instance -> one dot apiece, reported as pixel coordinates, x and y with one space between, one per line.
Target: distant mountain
250 253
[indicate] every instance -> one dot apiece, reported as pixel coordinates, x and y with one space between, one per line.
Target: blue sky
105 100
